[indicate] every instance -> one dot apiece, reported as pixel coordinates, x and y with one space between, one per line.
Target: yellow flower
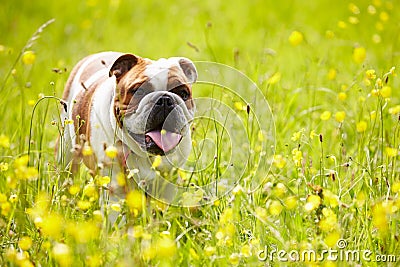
111 152
342 96
313 134
261 213
354 9
353 20
396 187
331 74
296 38
384 16
87 150
359 54
340 116
51 226
90 190
226 216
166 248
290 202
313 202
379 217
194 254
386 91
361 126
84 204
260 136
121 179
275 208
370 74
234 259
391 152
62 254
31 102
74 189
135 201
329 34
25 243
296 136
280 190
4 141
325 115
157 162
279 161
5 208
209 251
13 198
246 251
331 239
3 166
297 156
394 110
330 198
341 24
83 232
103 180
28 57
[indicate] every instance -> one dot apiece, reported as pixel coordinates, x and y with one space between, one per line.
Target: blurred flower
313 202
297 156
22 171
4 141
90 190
210 251
116 207
3 166
361 126
62 254
28 57
156 162
359 54
166 248
394 110
331 74
74 189
25 243
354 9
340 116
370 74
194 254
328 221
379 217
332 238
135 201
341 24
51 225
396 187
103 180
84 204
83 232
87 150
296 136
279 161
325 115
386 91
245 251
329 34
234 259
290 202
111 152
391 152
275 208
342 96
353 20
121 179
296 38
384 16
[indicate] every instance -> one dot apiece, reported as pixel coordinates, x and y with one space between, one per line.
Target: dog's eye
183 93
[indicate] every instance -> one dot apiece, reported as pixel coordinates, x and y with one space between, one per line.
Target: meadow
318 163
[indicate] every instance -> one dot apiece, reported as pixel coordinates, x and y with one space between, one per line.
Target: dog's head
153 101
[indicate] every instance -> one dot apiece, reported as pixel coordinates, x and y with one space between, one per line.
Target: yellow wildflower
354 9
386 91
296 136
325 115
359 54
261 213
234 259
279 161
51 226
391 152
166 248
340 116
371 75
361 126
111 152
62 254
4 141
210 251
90 190
25 243
135 200
297 156
296 38
74 189
84 204
394 110
396 187
246 251
379 217
5 208
121 179
331 74
28 57
156 162
116 207
3 166
342 96
313 202
87 150
103 180
341 24
384 16
275 208
329 34
290 202
331 239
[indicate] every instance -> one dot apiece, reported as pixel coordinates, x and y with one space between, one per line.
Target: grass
325 69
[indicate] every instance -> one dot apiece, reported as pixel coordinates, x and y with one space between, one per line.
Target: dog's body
144 107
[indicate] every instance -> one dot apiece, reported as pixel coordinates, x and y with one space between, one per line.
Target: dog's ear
122 65
188 69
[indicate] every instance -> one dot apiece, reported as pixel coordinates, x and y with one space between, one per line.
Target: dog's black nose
165 101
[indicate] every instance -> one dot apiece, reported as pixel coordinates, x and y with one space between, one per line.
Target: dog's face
153 101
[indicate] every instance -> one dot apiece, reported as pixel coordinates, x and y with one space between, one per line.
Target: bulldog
141 106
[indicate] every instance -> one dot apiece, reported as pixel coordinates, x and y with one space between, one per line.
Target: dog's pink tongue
166 140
